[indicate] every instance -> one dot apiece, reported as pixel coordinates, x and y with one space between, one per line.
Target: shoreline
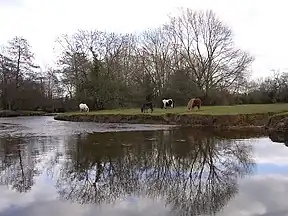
11 113
256 121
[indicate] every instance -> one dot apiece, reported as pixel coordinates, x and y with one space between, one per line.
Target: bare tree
155 55
206 43
19 51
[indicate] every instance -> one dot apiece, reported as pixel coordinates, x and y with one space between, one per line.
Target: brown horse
194 102
146 106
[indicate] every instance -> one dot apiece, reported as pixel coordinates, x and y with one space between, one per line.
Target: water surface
51 167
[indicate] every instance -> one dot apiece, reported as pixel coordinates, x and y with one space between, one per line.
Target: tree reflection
192 172
18 159
279 137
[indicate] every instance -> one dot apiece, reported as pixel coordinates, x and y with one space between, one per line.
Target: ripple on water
47 126
63 168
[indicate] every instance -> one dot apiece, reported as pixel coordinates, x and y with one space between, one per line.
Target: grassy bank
213 116
278 123
11 113
205 110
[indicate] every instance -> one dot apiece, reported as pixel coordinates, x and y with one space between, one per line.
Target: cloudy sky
259 26
262 194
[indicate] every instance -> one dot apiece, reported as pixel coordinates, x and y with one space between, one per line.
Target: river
51 167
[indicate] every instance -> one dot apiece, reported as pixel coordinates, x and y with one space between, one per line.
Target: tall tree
19 51
207 45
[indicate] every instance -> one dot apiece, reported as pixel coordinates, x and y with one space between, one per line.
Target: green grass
204 110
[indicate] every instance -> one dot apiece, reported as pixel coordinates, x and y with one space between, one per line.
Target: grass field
204 110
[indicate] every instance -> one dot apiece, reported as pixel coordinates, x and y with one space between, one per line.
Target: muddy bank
11 113
278 123
279 137
227 121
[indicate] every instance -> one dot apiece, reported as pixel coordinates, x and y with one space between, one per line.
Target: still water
50 167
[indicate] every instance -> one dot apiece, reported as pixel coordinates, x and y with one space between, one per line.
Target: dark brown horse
146 106
194 102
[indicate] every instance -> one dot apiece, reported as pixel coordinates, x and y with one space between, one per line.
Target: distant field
11 113
204 110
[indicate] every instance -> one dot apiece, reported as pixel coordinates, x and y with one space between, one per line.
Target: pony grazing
83 107
147 106
194 102
166 103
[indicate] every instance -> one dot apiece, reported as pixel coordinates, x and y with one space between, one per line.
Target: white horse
83 107
167 102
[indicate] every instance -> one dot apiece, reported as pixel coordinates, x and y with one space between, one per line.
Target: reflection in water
18 157
194 174
279 137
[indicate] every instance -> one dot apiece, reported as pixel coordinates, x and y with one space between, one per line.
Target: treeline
192 55
23 85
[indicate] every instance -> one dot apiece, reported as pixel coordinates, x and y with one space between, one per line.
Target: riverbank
278 123
240 120
240 116
11 113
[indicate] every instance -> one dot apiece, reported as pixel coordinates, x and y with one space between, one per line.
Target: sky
259 26
250 199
